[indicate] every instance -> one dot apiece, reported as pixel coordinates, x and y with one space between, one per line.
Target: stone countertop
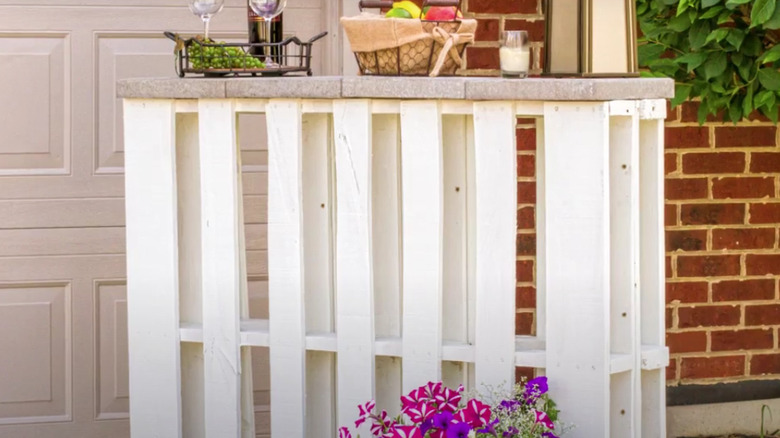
383 87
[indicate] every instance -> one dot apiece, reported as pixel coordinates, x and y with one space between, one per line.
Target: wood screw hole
625 166
625 314
322 205
622 412
457 189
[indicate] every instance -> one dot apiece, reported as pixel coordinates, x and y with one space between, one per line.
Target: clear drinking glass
205 9
267 10
515 54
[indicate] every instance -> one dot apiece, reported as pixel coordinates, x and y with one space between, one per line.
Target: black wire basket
194 56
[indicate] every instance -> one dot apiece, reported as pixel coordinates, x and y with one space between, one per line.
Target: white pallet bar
423 232
496 232
286 269
221 233
577 262
320 366
392 249
652 269
625 387
352 124
152 268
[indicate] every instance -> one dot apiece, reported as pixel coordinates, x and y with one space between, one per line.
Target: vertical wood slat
190 282
285 268
541 233
422 193
354 274
318 272
652 272
386 248
221 231
496 232
152 269
455 309
577 262
625 398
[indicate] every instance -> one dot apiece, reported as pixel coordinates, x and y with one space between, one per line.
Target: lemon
410 7
398 13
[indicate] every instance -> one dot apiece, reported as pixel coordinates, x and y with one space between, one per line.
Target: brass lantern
590 38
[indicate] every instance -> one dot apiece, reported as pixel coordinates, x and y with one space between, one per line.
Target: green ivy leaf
715 65
769 78
711 13
774 20
709 3
770 55
693 60
698 34
717 35
762 11
681 93
649 52
747 104
679 23
736 37
735 110
732 4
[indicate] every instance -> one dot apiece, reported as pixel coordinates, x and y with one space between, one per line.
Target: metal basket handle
383 4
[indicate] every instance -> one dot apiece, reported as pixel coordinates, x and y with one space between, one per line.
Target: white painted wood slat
221 262
286 269
577 262
652 268
496 232
423 231
152 268
354 277
317 140
625 398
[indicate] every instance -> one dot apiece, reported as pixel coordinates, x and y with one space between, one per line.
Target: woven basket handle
384 4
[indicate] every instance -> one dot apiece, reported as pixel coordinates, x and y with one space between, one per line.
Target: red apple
442 13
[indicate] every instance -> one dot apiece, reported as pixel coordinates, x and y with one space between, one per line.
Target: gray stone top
469 88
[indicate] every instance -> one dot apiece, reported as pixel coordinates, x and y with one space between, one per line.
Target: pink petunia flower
344 433
422 411
448 400
364 412
476 414
405 432
543 418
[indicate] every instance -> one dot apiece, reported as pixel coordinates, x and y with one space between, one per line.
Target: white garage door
63 350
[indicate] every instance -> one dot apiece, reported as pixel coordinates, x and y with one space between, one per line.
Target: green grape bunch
220 57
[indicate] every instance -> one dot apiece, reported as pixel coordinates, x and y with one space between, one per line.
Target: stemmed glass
267 10
205 9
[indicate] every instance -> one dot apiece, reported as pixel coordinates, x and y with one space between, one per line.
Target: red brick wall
722 218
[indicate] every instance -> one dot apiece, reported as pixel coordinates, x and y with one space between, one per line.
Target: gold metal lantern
590 38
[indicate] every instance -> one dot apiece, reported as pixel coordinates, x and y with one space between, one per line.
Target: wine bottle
257 34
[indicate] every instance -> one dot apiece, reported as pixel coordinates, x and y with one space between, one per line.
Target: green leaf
769 78
735 110
770 113
731 4
649 52
711 13
752 45
715 65
709 3
681 93
762 11
693 60
770 55
774 20
763 97
698 34
736 37
717 35
680 23
747 103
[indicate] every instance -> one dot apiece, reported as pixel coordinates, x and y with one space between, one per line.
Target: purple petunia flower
426 426
442 420
535 388
458 430
512 431
489 428
509 405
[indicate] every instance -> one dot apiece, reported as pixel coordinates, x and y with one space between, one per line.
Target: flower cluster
435 411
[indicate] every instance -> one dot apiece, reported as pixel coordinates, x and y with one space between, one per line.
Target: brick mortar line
716 252
702 201
721 227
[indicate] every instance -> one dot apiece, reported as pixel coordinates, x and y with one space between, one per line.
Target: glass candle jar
515 54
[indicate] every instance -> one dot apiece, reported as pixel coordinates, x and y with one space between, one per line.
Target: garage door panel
35 94
62 213
34 327
62 241
111 350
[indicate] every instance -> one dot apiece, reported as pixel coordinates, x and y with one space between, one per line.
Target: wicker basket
437 49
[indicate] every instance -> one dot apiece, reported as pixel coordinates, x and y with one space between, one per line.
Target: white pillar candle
515 60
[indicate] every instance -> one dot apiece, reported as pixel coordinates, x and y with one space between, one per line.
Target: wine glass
205 9
267 10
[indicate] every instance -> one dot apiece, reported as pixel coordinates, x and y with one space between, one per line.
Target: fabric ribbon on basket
450 42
